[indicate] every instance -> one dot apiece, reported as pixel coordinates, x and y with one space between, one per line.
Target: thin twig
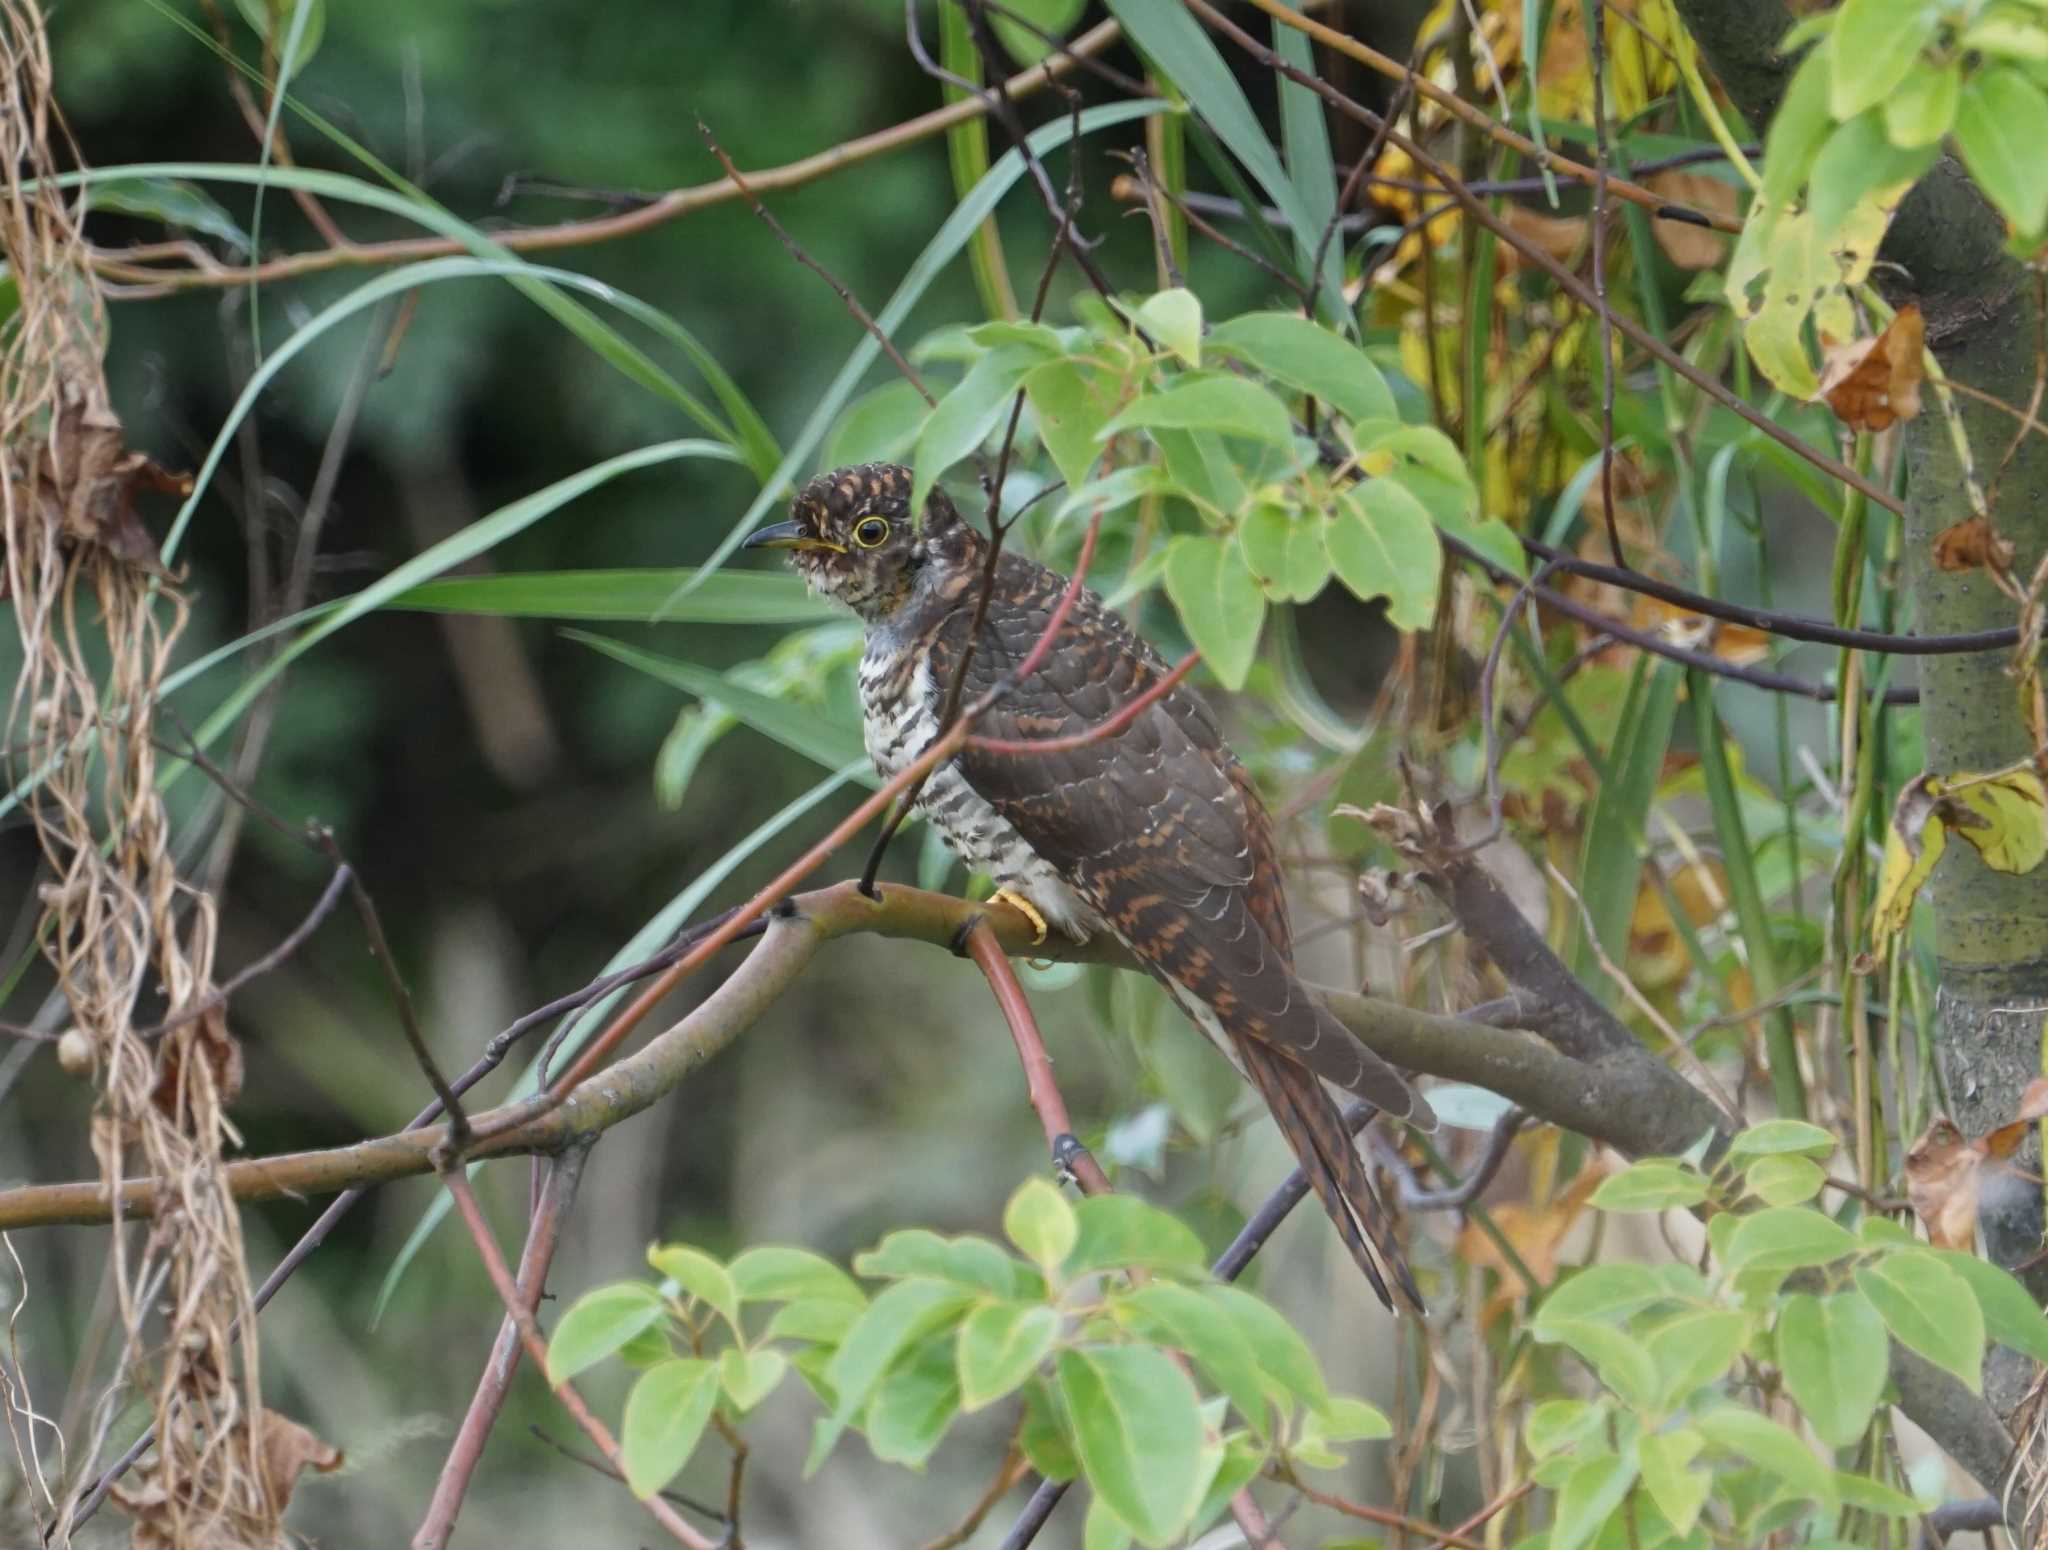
657 212
322 908
456 1182
796 251
543 1236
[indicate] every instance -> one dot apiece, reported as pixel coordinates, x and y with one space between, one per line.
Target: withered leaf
288 1450
1871 383
1971 543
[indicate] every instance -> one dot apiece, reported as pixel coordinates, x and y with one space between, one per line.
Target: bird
1153 833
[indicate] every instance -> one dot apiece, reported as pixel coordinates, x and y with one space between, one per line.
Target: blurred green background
491 779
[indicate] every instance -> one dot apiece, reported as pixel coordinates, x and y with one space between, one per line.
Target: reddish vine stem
543 1236
457 1184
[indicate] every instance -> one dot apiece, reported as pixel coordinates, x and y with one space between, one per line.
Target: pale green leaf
1001 1344
597 1324
1040 1221
1220 604
666 1413
2001 125
1832 1352
1138 1431
1309 358
1929 1308
1231 406
699 1275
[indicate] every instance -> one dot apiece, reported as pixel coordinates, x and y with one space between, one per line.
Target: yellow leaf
1785 270
1910 851
2009 817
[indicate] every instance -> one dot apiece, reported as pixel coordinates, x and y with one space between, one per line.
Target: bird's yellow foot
1022 906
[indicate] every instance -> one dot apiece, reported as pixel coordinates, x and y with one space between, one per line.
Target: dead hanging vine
98 620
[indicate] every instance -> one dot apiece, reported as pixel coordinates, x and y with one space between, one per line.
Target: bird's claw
1024 907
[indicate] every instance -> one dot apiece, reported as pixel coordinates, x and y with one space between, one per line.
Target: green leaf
1859 159
2011 1316
1786 1238
1832 1352
1242 1461
1600 1291
274 19
1559 1424
1775 1137
1138 1431
1284 548
878 427
750 1376
1785 1180
1120 1232
174 202
1201 469
1001 1345
1798 130
1044 1437
1053 16
1654 1184
1174 319
1345 1419
818 1319
1679 1490
909 1414
1103 1529
1383 544
1876 45
1929 1308
701 1276
1694 1349
1619 1359
902 1315
1771 1447
969 1260
775 1273
1220 604
1192 1323
803 731
965 416
633 596
1283 1356
597 1324
1231 406
1860 1491
1922 110
1072 404
1589 1497
1309 358
1040 1221
2001 125
666 1413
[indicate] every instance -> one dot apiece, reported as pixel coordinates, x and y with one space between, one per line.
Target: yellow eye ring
871 532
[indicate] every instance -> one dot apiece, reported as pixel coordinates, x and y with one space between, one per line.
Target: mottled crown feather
831 502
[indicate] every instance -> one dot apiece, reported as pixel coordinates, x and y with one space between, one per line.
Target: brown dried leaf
88 477
288 1450
1687 245
1971 543
1870 383
1944 1174
1555 236
219 1051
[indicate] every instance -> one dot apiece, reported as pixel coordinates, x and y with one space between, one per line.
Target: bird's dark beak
787 535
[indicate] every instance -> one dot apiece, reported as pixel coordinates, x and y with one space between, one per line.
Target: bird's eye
871 532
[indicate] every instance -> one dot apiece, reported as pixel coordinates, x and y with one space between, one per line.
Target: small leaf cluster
1272 445
1675 1449
1887 81
1136 1370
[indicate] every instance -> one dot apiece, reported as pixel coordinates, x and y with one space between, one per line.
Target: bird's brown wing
1154 825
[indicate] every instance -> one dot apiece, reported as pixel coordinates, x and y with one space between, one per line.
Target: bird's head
851 537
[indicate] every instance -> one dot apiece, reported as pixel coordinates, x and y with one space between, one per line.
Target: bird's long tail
1315 1131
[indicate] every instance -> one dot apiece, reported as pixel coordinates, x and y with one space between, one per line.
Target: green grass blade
967 152
1313 172
1176 45
1611 860
540 284
625 596
665 924
1780 1041
797 728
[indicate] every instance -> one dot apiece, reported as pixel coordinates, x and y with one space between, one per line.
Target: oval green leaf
1138 1432
597 1324
1832 1353
1001 1345
666 1413
1929 1308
